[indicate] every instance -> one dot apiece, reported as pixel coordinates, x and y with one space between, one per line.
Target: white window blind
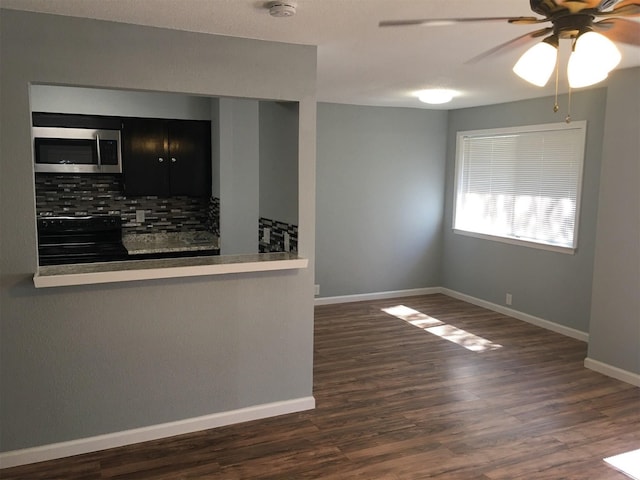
521 184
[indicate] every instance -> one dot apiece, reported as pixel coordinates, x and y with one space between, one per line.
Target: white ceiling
358 62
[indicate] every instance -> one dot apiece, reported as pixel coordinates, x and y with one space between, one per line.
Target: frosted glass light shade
582 71
436 96
536 64
593 57
601 50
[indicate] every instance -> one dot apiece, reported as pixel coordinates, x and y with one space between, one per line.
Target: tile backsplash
102 194
213 216
277 231
95 194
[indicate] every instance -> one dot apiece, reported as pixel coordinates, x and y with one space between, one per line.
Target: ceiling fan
591 25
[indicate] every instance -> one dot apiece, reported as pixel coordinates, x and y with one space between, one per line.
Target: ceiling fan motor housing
570 26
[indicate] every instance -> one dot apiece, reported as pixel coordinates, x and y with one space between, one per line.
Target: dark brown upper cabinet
166 157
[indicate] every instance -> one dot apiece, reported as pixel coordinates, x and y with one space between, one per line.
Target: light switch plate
139 216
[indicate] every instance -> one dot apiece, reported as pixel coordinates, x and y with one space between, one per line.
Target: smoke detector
284 8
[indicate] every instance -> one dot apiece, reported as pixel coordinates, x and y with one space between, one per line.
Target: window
521 185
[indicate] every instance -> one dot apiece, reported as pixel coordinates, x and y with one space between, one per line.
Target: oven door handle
98 150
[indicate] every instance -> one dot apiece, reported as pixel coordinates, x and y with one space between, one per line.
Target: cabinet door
190 155
145 157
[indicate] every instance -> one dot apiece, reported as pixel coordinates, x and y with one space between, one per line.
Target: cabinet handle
160 159
173 159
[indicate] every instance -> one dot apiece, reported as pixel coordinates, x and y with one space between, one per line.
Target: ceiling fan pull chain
556 107
568 117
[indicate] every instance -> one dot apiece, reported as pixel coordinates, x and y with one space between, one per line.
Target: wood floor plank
396 402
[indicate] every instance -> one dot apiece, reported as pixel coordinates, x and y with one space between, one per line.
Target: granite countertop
144 243
128 265
131 270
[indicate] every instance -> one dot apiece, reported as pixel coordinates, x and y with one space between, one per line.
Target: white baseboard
613 372
377 295
525 317
153 432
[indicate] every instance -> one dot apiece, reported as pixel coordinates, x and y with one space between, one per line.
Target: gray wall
550 285
239 176
380 191
98 101
88 360
279 161
615 308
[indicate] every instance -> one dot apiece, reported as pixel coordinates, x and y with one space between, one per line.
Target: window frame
581 126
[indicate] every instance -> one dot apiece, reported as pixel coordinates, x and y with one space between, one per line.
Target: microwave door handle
98 150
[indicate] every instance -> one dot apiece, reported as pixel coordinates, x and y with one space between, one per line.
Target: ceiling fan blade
513 43
620 30
437 22
624 8
550 7
546 7
624 3
527 20
606 4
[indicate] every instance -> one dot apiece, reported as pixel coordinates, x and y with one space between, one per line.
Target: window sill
515 241
109 272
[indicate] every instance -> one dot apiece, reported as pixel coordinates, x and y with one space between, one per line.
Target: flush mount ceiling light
435 96
285 8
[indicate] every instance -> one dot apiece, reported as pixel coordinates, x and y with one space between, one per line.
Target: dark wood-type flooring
397 402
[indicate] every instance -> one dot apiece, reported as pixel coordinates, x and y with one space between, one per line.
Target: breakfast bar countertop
144 243
132 270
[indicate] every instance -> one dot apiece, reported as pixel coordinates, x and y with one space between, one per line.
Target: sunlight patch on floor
627 463
436 327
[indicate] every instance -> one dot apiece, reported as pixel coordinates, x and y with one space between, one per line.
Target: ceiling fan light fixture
599 48
436 96
593 57
537 64
583 72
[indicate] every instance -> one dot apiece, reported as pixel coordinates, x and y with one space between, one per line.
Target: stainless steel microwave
77 150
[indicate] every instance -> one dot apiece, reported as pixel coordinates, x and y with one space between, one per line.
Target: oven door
77 150
65 240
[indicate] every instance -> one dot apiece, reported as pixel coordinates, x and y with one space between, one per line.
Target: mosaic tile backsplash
277 232
95 194
214 216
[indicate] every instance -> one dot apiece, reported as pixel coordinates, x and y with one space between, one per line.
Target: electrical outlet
139 216
508 299
317 290
266 235
287 242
